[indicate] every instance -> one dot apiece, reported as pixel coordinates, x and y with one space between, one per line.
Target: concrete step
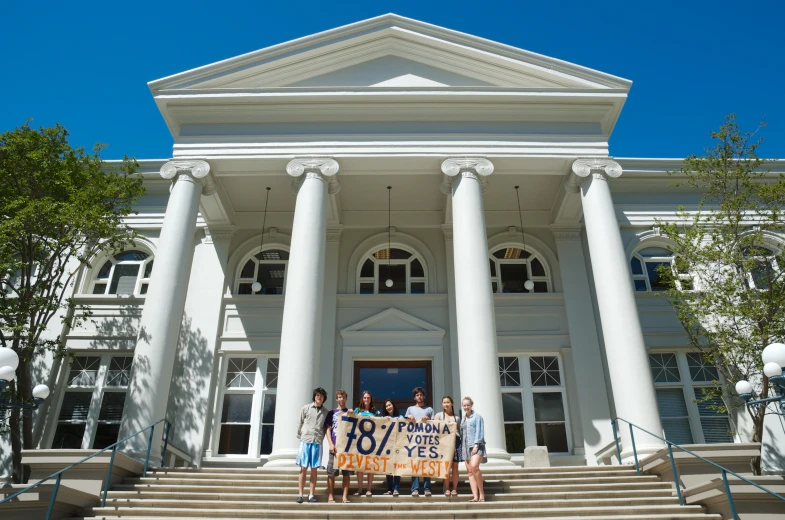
503 471
664 492
487 510
332 516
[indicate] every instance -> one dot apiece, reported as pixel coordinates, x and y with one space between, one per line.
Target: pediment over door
393 327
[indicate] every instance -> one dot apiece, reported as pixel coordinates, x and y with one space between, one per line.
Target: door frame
392 363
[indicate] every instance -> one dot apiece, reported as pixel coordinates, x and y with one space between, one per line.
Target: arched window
645 266
125 273
267 267
405 268
764 269
511 267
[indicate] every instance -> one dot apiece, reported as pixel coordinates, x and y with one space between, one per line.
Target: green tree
58 206
732 302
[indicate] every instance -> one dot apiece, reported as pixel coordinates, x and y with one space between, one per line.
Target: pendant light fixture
528 284
389 282
257 286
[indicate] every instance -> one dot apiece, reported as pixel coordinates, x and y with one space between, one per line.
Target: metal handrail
725 471
113 447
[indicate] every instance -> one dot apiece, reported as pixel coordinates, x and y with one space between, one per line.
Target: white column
159 327
477 352
628 362
302 312
591 391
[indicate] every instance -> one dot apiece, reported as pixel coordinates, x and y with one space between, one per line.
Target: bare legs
360 484
475 478
452 478
344 486
301 480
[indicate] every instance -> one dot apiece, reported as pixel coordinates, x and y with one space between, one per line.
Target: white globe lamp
774 353
41 392
772 369
8 358
7 373
256 287
388 283
528 285
743 387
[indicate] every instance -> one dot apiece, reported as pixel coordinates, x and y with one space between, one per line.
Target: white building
452 123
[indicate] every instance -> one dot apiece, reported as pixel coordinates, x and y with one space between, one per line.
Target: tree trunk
757 436
16 440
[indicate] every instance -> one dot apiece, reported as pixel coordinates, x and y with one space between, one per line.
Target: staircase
588 493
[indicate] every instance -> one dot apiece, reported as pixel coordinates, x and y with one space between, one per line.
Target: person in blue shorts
310 431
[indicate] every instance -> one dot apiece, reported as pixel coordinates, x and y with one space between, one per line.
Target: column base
499 458
282 458
628 456
155 456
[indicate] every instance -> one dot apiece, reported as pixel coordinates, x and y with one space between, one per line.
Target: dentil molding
194 171
591 167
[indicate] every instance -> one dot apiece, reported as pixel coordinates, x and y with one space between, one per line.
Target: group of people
318 423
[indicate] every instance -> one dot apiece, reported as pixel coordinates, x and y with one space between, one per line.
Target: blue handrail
113 447
723 470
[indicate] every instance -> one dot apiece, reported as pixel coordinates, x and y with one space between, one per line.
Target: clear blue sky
87 64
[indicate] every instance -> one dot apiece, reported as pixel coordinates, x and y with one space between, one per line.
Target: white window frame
528 390
691 391
749 280
260 391
498 262
380 262
97 392
141 279
670 259
252 256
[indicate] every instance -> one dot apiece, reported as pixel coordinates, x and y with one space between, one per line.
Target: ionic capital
458 167
196 171
591 167
322 168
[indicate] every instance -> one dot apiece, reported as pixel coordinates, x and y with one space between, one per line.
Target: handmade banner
395 446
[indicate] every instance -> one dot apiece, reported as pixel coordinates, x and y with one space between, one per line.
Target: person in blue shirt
393 483
365 408
473 446
420 412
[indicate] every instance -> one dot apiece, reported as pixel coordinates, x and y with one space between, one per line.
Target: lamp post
9 361
773 360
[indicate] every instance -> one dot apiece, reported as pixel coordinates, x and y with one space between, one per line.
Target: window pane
99 288
245 288
272 373
131 256
511 253
112 407
418 288
119 373
493 267
237 408
553 435
512 407
396 273
655 279
415 269
516 441
635 265
400 254
241 373
267 439
671 403
84 371
366 288
700 369
495 287
271 277
677 430
664 368
367 270
76 406
105 435
124 279
143 290
548 407
268 410
248 269
716 429
105 269
509 371
537 268
234 439
148 270
545 371
640 285
513 277
541 287
273 254
68 436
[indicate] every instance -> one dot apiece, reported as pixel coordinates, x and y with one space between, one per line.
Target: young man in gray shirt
420 412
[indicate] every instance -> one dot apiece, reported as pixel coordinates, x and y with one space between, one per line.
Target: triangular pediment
389 52
393 321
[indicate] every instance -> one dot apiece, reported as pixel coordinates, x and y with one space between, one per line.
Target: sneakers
427 492
415 493
395 493
311 499
299 500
